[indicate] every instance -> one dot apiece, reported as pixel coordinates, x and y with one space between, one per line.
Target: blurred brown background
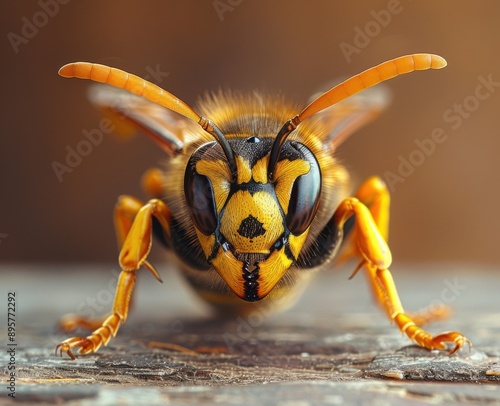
446 210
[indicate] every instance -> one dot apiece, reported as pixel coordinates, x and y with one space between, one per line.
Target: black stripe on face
251 283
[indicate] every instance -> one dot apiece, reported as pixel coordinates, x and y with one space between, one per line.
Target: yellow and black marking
252 229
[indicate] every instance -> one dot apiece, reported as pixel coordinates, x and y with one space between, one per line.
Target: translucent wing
346 117
130 111
352 86
149 91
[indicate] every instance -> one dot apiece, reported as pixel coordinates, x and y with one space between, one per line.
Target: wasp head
252 223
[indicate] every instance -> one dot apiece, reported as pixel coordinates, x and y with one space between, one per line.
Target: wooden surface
334 347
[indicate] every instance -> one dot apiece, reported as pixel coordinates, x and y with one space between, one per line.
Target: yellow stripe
219 174
259 170
244 170
286 173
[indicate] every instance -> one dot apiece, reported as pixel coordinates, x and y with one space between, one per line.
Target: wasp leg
127 207
373 193
376 258
137 239
126 210
153 182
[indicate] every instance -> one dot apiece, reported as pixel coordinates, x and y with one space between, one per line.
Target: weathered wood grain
334 347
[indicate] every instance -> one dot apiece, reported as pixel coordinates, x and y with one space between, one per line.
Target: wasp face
250 224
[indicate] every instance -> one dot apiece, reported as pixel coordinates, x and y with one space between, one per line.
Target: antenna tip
438 62
67 71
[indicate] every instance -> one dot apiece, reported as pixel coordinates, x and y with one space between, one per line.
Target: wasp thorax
250 225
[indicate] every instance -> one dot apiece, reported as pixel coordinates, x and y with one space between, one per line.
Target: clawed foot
86 345
457 339
89 344
427 340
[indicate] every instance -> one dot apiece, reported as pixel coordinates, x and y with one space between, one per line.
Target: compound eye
304 199
200 200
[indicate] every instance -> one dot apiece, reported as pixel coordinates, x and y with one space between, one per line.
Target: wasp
250 201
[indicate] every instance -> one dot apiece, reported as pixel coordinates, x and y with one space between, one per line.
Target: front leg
376 259
373 193
137 240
